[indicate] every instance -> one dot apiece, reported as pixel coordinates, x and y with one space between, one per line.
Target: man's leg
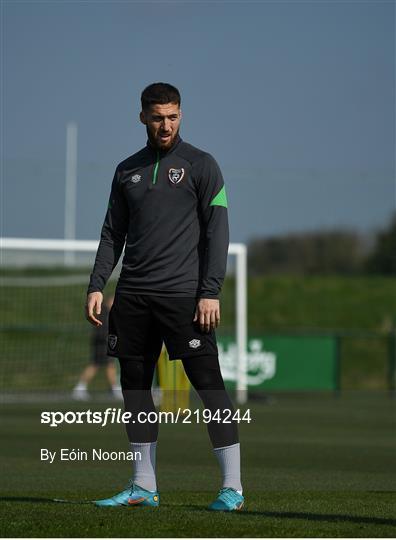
136 381
80 391
198 351
135 340
205 376
111 376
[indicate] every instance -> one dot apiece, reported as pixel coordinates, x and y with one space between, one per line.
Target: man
99 359
168 206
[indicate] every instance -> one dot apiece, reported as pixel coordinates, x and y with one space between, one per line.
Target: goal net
45 339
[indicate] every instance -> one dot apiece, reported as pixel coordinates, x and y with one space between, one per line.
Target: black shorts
99 353
139 324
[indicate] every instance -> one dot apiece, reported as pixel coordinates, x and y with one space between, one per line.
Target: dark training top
172 208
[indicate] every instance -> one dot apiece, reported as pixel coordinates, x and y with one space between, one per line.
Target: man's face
162 124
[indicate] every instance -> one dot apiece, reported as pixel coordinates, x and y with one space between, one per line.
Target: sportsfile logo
112 415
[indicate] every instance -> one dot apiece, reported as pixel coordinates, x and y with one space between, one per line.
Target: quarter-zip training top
169 209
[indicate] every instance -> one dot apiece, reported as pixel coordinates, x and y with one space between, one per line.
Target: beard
156 143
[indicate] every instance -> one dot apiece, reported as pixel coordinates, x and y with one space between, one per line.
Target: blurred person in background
99 359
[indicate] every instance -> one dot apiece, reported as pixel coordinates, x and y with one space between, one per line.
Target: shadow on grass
42 500
324 517
302 515
281 515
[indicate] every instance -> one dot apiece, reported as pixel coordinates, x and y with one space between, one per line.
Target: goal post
240 251
19 253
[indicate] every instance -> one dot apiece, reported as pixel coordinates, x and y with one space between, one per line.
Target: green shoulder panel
220 199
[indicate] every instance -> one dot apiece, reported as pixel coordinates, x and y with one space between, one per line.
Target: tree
382 260
323 252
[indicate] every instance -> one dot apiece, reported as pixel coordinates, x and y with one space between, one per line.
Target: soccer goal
45 340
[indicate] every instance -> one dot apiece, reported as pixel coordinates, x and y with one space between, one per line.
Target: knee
204 373
136 374
209 380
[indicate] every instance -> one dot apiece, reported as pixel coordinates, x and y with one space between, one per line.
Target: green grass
275 302
339 304
44 330
322 302
313 466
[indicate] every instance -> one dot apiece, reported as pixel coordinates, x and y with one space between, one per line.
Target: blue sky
296 101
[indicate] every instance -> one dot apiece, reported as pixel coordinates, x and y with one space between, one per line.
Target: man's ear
142 117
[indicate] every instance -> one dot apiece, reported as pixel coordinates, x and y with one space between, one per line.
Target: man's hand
94 307
208 313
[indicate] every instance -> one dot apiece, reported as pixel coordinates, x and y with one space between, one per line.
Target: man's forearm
112 239
107 256
215 256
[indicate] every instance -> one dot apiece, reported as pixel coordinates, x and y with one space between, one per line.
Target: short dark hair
159 93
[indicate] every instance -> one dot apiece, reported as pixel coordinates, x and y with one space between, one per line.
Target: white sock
229 458
144 468
80 386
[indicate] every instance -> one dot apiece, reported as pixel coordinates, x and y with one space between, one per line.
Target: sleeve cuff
93 289
209 296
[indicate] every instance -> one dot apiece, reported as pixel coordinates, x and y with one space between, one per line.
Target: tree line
325 252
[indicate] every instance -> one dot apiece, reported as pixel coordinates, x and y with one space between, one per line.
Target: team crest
136 178
175 175
112 340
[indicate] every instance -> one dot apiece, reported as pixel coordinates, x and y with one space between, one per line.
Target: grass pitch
313 466
45 339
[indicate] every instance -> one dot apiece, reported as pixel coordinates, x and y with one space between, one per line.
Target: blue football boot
228 499
133 495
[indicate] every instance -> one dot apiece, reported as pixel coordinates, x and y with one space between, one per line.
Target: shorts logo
112 340
136 178
194 343
175 175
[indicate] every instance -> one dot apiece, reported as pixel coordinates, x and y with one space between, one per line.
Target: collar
162 153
